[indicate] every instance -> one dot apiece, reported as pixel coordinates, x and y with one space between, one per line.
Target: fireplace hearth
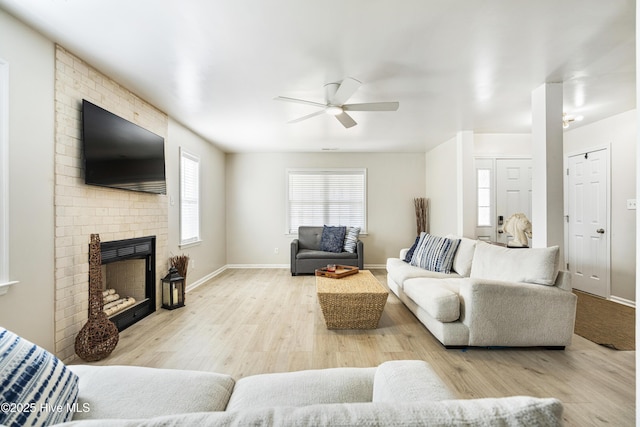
129 276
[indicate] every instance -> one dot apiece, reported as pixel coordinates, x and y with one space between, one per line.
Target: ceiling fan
336 94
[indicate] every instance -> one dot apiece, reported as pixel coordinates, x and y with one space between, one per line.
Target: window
189 198
5 281
326 197
484 197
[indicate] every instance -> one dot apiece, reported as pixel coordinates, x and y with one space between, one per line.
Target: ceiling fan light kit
334 110
336 95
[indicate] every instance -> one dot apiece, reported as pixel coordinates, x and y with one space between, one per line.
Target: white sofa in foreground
39 390
396 393
493 296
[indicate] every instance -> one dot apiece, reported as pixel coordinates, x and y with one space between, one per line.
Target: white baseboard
205 279
287 266
623 301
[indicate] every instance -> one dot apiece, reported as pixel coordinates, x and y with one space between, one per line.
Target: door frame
566 156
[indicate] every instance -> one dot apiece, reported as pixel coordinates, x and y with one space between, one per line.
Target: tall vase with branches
421 205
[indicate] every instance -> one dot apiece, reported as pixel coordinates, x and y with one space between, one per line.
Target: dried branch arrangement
181 263
421 205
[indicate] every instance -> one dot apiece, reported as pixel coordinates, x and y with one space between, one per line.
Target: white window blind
189 198
326 197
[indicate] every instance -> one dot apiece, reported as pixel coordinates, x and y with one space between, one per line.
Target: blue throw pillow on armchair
332 239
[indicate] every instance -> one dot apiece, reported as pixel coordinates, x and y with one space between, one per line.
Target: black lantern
172 290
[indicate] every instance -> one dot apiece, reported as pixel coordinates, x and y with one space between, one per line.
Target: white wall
27 308
502 144
441 167
620 132
256 202
209 255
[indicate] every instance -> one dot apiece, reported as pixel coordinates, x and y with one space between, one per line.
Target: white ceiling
216 65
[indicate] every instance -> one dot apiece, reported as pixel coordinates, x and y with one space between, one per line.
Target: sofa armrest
563 281
294 251
516 314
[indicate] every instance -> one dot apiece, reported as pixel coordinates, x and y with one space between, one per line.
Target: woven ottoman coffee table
351 302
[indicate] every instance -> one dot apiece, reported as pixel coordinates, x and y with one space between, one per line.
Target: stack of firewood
113 303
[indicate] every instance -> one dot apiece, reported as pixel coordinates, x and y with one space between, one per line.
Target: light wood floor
250 321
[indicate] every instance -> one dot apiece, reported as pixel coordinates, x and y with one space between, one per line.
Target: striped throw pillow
36 388
351 239
435 253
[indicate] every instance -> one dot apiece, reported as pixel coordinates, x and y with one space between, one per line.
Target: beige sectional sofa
395 393
494 296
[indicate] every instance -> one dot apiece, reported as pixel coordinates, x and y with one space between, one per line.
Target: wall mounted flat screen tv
121 154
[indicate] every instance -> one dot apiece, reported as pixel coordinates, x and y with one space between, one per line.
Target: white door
587 218
513 192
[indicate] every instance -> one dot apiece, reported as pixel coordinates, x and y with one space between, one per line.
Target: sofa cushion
138 392
535 265
399 271
506 411
351 239
310 387
435 253
311 254
438 301
309 237
408 381
463 259
332 238
31 378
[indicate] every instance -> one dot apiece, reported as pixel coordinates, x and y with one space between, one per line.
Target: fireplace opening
128 278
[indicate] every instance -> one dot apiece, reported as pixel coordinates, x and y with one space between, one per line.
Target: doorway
503 188
588 211
513 192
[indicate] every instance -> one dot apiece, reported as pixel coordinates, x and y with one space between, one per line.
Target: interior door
513 192
587 222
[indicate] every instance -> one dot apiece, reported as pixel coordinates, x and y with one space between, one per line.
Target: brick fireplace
81 209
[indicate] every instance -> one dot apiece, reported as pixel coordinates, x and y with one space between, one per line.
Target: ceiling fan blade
372 106
347 88
308 116
298 101
346 120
